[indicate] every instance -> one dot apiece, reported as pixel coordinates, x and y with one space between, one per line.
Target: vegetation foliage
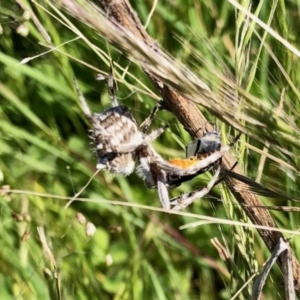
114 242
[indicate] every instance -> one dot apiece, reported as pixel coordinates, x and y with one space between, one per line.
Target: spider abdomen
112 128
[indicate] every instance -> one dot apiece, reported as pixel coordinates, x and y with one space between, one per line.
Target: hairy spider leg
147 122
132 145
84 106
162 190
183 201
112 86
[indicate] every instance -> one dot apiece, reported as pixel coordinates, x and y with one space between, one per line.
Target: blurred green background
46 157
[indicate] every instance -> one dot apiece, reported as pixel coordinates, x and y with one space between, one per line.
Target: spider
120 142
116 135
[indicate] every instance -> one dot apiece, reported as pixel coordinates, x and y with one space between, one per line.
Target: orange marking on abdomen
186 162
183 162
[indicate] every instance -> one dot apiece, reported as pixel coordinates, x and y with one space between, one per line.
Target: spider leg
146 124
163 190
235 140
183 201
144 172
154 178
101 166
111 85
84 106
129 147
154 134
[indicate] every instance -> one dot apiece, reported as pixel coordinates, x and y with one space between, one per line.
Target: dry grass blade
282 247
255 187
50 256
